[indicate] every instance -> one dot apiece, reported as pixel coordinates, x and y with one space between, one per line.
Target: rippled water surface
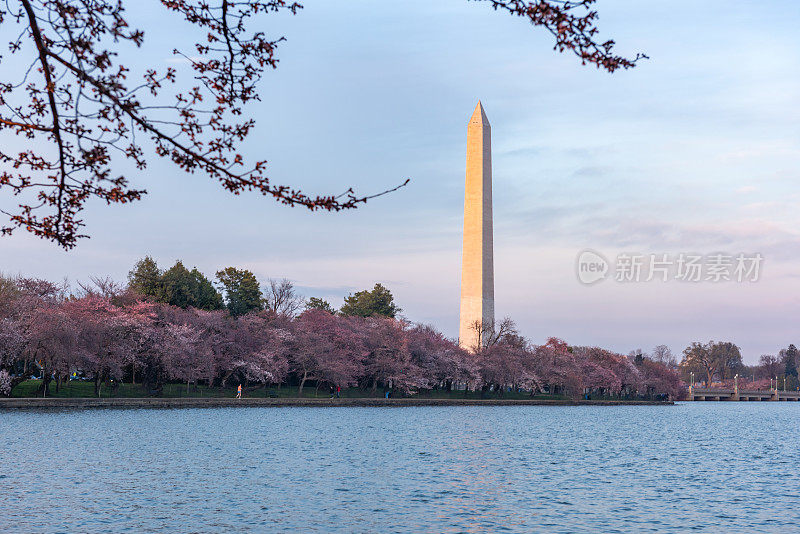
710 467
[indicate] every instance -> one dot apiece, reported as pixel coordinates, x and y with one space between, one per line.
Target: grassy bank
80 389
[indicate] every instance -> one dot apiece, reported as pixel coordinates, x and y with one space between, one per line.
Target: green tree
206 295
184 288
145 278
723 359
242 293
790 361
728 357
178 285
316 303
698 357
365 303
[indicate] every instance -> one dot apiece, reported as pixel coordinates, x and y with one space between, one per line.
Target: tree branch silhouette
79 108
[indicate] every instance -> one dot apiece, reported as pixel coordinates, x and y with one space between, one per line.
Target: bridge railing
743 394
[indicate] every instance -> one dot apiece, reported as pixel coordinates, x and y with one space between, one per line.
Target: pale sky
697 150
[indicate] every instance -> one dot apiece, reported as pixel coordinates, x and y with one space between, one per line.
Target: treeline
240 293
720 363
155 331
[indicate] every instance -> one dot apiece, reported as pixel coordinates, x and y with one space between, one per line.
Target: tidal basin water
707 467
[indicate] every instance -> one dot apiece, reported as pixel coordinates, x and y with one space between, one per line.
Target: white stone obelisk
477 260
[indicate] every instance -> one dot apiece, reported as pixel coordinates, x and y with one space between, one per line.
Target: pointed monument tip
479 115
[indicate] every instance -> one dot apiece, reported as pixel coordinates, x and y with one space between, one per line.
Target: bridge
736 394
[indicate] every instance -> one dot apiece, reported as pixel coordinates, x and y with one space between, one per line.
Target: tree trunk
225 378
302 383
46 378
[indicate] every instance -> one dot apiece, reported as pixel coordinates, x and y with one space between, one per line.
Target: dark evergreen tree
365 303
184 288
790 361
316 303
145 278
206 295
179 286
242 292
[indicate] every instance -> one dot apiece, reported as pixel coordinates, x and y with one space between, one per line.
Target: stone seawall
156 402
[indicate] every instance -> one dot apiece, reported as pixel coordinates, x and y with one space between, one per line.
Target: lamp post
736 384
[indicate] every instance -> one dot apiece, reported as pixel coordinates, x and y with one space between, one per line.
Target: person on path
338 392
239 392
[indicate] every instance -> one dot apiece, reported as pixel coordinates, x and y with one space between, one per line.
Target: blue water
709 467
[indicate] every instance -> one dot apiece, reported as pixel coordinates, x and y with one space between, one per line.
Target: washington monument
477 257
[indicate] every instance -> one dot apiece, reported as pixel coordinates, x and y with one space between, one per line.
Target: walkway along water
154 402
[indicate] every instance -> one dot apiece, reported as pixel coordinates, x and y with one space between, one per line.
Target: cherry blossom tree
12 342
440 360
261 342
5 383
111 334
327 348
108 335
35 331
52 339
509 362
660 380
388 360
186 357
557 366
12 338
218 335
595 371
628 374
